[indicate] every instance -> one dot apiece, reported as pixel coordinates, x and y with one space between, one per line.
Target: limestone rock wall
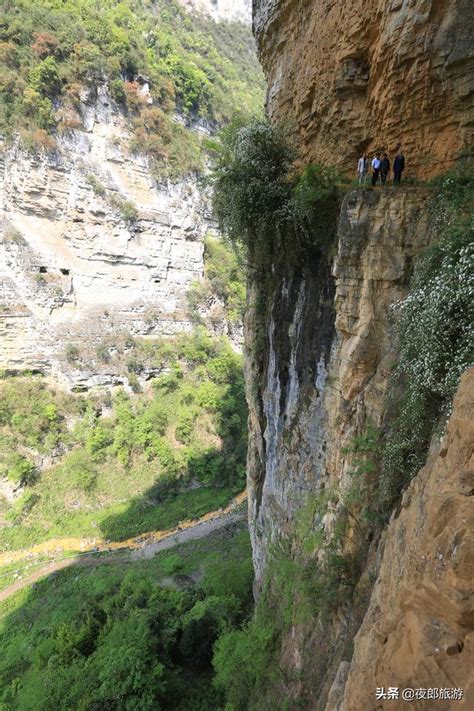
380 235
351 77
285 388
330 350
321 382
92 246
418 630
358 75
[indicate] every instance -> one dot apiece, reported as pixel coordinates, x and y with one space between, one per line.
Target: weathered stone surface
354 76
286 447
74 269
368 74
326 372
320 383
380 233
419 628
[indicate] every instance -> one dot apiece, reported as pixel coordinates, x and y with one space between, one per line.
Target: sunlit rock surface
92 246
357 75
418 630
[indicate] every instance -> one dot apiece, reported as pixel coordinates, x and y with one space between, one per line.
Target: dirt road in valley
140 548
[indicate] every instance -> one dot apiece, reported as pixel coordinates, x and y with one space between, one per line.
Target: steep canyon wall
93 247
330 350
350 77
371 74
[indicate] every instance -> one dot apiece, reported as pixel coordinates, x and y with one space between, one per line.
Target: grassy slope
133 469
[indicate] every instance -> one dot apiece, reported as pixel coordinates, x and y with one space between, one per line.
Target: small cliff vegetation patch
224 280
263 203
435 329
154 59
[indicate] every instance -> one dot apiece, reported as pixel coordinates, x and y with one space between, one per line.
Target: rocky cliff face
418 630
371 74
329 357
93 247
351 77
321 382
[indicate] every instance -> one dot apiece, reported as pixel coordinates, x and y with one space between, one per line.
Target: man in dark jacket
398 167
384 168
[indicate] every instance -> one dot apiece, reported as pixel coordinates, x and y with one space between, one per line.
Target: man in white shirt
375 169
362 168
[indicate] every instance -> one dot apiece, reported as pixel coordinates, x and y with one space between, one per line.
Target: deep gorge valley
236 437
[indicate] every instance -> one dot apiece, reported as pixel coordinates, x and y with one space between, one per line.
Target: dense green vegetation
114 465
263 203
113 638
126 465
224 279
308 578
50 51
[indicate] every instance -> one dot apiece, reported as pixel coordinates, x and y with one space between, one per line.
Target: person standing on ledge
375 169
384 168
398 168
362 168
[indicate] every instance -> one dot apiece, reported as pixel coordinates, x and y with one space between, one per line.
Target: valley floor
144 547
128 629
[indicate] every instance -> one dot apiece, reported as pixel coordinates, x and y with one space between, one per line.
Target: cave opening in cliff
42 270
64 272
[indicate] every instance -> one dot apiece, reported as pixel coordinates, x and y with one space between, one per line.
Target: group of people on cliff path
380 166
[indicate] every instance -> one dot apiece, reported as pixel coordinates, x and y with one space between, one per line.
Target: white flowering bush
435 330
251 187
436 327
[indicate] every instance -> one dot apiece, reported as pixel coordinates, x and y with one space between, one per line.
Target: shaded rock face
328 354
419 627
371 74
286 429
92 246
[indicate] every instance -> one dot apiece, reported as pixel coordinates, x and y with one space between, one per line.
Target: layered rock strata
357 75
92 246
